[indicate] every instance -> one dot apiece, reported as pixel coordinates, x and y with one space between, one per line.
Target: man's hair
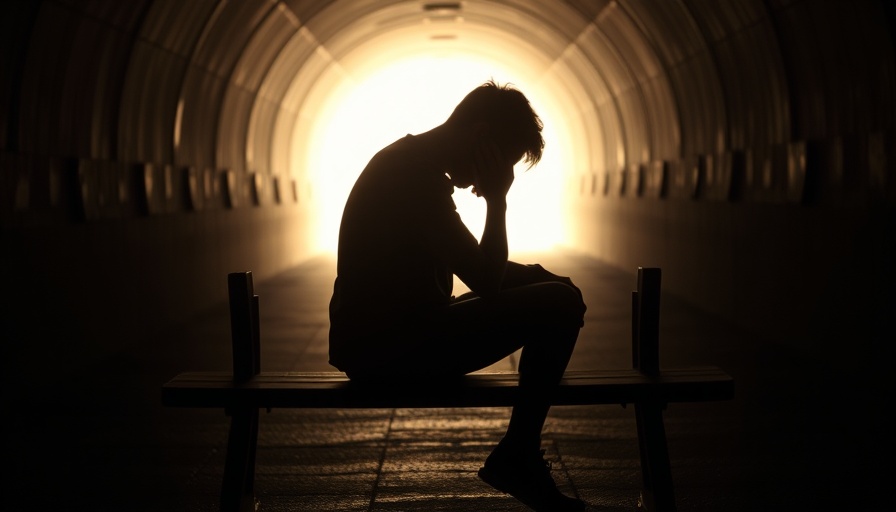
513 125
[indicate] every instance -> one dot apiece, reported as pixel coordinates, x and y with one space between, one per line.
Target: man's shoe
527 477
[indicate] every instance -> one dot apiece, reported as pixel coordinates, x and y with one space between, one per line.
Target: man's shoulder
402 164
401 154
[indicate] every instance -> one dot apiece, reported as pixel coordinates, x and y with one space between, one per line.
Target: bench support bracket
238 484
657 493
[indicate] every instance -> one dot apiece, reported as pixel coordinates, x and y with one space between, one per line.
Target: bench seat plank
335 390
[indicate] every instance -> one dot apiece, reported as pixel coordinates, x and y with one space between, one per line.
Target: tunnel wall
745 146
776 210
812 279
124 203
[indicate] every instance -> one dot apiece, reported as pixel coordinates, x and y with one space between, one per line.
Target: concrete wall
819 280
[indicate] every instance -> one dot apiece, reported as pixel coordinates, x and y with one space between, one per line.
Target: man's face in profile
472 167
508 158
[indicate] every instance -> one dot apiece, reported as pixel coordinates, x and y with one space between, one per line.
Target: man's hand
493 172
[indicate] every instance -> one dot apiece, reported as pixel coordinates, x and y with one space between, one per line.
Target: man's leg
517 465
544 320
541 367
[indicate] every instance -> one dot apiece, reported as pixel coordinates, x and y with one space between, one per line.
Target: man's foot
527 477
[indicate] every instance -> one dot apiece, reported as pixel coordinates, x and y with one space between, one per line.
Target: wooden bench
242 393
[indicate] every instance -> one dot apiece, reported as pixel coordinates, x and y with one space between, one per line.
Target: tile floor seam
382 462
565 470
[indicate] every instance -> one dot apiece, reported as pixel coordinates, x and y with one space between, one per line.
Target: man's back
388 270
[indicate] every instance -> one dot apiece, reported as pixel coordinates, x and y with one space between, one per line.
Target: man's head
505 117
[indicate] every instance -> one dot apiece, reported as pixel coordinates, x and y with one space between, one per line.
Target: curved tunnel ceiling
596 64
97 96
496 40
229 84
648 80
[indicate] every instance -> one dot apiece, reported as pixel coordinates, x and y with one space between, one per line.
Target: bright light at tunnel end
364 114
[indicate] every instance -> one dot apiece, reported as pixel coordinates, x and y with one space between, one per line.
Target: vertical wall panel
222 44
718 21
611 122
551 26
605 60
149 104
649 109
255 64
177 26
49 51
126 16
233 125
274 110
154 76
82 50
756 87
263 48
840 67
260 135
225 35
669 27
574 63
805 71
590 9
634 64
88 118
196 118
79 78
697 101
701 105
603 109
746 54
636 126
664 119
16 23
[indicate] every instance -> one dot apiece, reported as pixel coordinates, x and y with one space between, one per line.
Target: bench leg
238 486
657 494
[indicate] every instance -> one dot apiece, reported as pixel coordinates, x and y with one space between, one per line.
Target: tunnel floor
798 436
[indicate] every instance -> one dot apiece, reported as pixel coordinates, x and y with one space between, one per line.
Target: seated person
401 242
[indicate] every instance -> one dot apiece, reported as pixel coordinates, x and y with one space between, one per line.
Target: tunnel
149 147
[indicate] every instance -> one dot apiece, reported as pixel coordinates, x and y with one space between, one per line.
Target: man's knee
565 300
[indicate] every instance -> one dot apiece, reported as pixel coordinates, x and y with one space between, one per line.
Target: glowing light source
412 95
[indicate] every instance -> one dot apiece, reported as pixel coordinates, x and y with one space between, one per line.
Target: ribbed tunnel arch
261 73
410 74
158 145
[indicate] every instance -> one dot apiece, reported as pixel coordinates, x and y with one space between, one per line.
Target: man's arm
481 266
521 275
494 176
494 245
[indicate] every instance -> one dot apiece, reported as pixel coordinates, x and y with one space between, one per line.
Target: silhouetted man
400 243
